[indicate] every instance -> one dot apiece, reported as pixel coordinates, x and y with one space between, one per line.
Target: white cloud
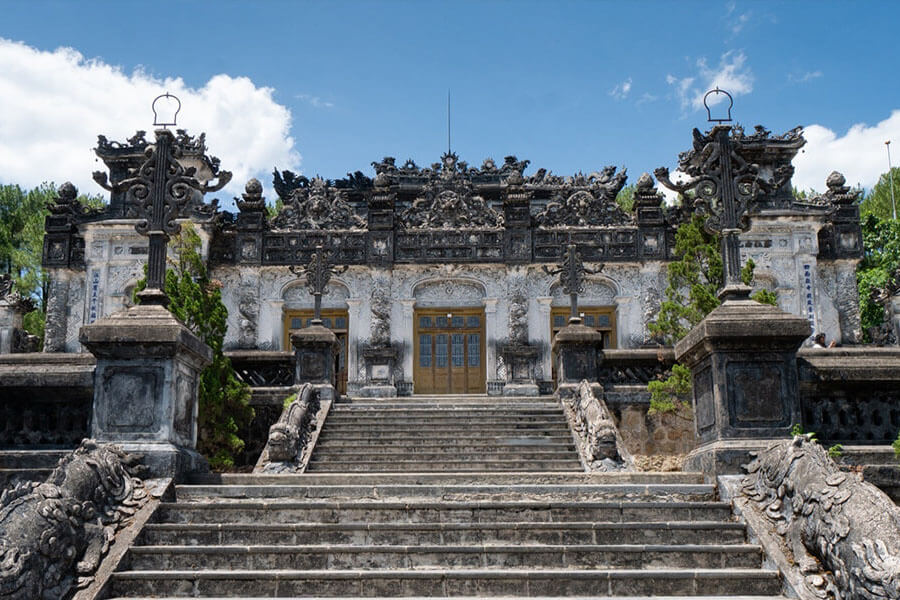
806 77
620 92
859 154
54 104
731 74
315 101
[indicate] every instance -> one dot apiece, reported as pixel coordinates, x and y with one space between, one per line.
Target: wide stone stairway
470 496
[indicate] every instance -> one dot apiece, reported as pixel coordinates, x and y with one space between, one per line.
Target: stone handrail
599 442
54 535
263 368
835 536
291 439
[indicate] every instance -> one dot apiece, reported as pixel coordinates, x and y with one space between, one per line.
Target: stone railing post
145 387
743 360
315 352
578 356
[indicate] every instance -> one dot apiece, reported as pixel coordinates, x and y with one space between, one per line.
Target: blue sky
327 88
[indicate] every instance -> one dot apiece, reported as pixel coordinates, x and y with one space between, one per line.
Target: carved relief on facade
457 208
317 206
586 201
450 292
596 292
335 295
248 309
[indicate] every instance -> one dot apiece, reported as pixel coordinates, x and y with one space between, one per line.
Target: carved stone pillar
145 387
490 333
405 332
315 352
13 337
353 312
743 360
543 330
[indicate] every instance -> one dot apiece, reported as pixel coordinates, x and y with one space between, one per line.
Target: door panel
449 351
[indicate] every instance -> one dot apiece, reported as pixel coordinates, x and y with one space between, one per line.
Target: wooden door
449 351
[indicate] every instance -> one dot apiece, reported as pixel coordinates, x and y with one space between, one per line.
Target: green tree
879 269
878 201
196 301
694 279
625 198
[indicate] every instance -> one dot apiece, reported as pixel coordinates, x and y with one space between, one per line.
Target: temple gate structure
446 263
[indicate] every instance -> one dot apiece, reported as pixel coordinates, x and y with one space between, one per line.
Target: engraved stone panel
449 293
140 386
756 393
704 401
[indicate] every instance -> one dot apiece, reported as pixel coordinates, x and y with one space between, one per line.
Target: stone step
326 556
698 532
505 437
593 597
406 446
485 426
680 491
543 477
384 453
31 459
425 410
439 511
480 465
447 582
443 420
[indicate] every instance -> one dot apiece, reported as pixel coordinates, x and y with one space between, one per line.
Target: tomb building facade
447 265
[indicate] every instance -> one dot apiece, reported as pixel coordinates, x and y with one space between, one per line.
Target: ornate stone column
490 333
353 311
405 331
544 329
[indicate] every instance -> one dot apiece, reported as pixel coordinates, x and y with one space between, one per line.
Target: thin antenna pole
448 120
891 177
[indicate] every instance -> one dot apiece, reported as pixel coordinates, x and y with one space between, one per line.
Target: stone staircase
27 465
506 521
446 434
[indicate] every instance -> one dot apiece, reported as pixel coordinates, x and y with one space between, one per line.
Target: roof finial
448 121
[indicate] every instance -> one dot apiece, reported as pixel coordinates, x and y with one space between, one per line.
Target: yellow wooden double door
449 351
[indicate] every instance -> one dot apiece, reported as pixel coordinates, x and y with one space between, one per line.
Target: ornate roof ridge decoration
838 193
192 147
314 204
449 202
586 201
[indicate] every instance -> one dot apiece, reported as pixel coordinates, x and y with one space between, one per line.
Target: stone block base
378 391
724 457
167 460
521 389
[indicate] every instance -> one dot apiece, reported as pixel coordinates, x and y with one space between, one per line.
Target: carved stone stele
842 533
54 534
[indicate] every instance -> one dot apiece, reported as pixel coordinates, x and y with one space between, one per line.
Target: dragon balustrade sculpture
54 534
290 435
843 533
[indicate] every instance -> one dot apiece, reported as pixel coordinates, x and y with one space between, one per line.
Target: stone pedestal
519 360
578 356
380 362
315 352
11 324
743 359
145 387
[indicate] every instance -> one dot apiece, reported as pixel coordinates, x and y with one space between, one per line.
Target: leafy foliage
625 198
669 395
878 201
879 269
694 280
196 301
